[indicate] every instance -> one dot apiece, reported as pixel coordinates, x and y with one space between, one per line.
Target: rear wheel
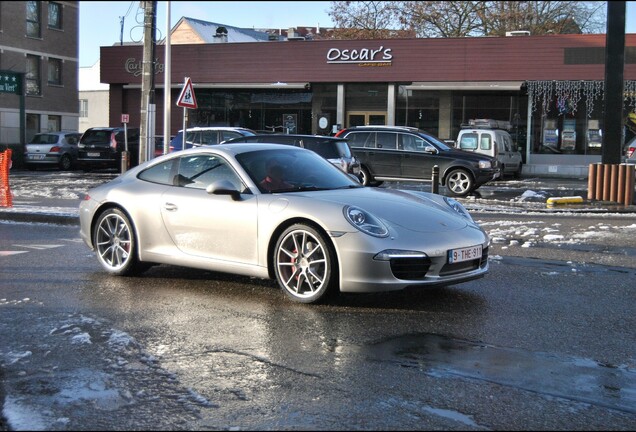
305 264
65 162
459 182
115 243
366 179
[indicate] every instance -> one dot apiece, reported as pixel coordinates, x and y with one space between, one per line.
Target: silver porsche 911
275 211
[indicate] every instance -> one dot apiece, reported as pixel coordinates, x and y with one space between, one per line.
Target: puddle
576 379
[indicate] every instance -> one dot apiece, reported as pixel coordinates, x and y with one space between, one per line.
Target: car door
387 158
205 225
418 156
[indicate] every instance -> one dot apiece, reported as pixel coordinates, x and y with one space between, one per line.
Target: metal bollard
435 180
124 161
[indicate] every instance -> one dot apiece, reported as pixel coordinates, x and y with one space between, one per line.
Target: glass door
366 118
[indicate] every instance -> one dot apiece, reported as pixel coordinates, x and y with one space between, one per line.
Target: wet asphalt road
544 342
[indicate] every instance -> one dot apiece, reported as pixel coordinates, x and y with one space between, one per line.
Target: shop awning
467 85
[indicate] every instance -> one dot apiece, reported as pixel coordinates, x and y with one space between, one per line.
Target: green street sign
10 82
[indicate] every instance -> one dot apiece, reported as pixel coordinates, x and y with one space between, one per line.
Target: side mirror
223 187
430 149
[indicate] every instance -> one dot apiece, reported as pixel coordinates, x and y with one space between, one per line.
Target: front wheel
305 264
459 182
366 179
115 244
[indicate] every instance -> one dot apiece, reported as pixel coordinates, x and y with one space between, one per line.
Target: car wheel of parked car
115 244
459 182
366 179
305 264
517 174
65 162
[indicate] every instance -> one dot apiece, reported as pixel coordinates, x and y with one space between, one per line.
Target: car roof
387 128
204 128
300 136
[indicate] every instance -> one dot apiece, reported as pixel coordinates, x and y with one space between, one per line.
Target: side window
226 135
485 143
506 142
208 138
361 139
407 142
386 140
199 171
161 174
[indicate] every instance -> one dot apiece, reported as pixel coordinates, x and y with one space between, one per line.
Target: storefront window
325 108
261 110
418 108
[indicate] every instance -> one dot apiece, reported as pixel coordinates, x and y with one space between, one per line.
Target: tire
365 177
116 245
308 276
517 174
459 182
65 163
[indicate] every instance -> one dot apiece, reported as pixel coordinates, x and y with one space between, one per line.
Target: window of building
33 87
55 71
83 107
55 15
54 123
32 125
33 21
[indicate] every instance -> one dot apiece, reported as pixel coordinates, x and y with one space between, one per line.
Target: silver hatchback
52 149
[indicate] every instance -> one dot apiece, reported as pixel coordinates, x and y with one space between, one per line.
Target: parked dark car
102 147
52 149
335 150
207 135
394 153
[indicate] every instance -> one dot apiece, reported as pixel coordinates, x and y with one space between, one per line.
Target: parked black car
394 153
335 150
101 147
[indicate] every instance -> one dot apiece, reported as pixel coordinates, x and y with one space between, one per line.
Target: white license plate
93 154
464 254
37 156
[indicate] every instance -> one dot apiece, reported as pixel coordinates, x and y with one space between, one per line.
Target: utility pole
148 110
614 97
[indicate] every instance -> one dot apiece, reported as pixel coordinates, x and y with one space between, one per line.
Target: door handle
170 206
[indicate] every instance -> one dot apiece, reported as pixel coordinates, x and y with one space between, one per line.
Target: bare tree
365 20
375 19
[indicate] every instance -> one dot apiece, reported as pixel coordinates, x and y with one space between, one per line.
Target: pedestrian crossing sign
187 98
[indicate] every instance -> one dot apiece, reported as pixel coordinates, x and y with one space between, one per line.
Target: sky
100 21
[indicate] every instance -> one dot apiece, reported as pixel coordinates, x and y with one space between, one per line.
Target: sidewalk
514 196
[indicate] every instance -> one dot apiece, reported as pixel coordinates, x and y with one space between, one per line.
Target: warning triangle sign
187 98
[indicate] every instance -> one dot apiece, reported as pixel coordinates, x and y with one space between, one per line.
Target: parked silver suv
491 138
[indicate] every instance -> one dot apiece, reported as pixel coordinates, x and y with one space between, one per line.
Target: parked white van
491 137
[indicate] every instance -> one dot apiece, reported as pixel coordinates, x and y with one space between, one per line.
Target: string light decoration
569 93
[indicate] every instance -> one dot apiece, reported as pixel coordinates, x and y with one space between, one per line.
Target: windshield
292 170
329 149
435 141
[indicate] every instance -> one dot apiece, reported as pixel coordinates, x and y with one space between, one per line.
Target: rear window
329 149
44 139
96 136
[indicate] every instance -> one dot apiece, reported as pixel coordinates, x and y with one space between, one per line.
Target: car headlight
365 221
458 208
485 164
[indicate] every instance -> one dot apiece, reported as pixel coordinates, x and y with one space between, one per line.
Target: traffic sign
125 118
187 98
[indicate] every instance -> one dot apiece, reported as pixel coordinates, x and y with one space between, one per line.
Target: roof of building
209 32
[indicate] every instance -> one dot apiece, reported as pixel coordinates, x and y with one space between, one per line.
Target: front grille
410 268
466 266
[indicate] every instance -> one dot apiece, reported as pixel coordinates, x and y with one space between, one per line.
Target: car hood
415 211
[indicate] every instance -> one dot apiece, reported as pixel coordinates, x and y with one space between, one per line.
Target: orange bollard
614 183
6 199
591 181
622 170
629 184
599 182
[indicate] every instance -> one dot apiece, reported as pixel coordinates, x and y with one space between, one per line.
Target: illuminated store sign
363 57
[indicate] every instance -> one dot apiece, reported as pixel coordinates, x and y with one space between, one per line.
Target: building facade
39 47
93 99
550 88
